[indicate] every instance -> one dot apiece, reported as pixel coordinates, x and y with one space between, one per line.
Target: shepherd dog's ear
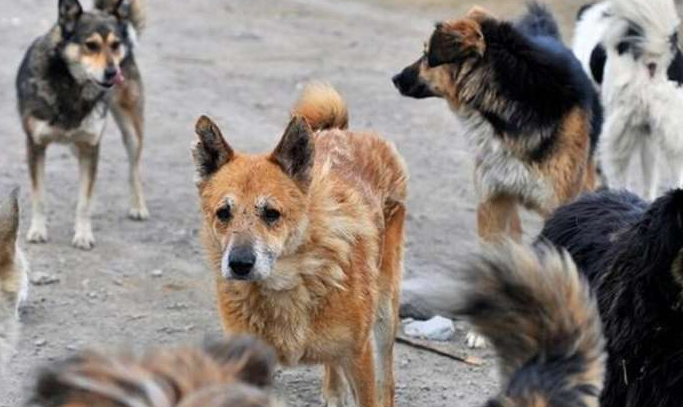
454 41
211 150
479 14
69 13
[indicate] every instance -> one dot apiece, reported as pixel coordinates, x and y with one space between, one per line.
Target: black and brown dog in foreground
528 109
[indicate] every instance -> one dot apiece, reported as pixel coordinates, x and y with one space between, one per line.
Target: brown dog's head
453 45
95 43
254 206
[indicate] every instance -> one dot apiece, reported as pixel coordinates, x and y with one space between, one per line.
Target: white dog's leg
475 341
617 149
675 160
649 154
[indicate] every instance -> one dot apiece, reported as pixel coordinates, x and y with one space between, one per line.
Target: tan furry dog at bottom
306 243
228 374
13 276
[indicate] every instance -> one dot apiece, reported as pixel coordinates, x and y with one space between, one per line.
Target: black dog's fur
632 256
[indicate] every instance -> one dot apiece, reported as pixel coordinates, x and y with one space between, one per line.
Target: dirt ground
243 63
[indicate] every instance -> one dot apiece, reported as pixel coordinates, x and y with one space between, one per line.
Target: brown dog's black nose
241 261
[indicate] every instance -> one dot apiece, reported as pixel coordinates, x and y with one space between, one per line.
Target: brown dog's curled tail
135 11
540 316
322 107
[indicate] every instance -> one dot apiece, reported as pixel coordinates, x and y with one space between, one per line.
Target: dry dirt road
243 63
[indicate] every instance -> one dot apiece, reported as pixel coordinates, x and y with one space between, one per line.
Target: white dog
630 50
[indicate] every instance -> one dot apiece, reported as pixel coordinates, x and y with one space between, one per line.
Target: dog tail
322 106
135 10
540 316
539 21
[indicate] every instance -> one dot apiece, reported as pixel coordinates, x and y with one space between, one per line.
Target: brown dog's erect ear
296 152
9 223
455 41
69 13
211 150
253 359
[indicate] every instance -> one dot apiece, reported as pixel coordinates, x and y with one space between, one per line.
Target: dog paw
138 214
84 241
37 234
476 341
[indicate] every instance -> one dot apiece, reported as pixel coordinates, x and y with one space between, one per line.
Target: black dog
633 257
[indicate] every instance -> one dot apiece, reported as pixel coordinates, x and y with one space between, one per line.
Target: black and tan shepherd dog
528 111
68 81
539 314
632 253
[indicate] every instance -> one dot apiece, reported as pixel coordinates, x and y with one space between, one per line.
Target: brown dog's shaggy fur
307 244
230 374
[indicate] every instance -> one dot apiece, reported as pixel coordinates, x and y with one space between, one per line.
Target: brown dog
307 244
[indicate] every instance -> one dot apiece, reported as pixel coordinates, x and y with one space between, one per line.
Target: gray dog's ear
122 10
69 13
296 152
9 223
211 150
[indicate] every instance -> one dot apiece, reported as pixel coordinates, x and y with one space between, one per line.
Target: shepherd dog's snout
409 84
405 80
241 262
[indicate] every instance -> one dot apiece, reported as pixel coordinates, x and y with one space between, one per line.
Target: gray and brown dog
68 81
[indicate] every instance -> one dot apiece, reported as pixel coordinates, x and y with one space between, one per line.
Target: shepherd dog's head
235 373
93 44
254 206
452 52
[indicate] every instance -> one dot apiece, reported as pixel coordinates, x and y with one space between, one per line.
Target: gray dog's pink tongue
119 78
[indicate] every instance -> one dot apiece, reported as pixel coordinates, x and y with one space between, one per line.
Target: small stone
39 343
435 329
39 279
157 273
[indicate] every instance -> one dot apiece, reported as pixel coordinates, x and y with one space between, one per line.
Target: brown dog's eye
115 46
92 46
271 215
224 214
